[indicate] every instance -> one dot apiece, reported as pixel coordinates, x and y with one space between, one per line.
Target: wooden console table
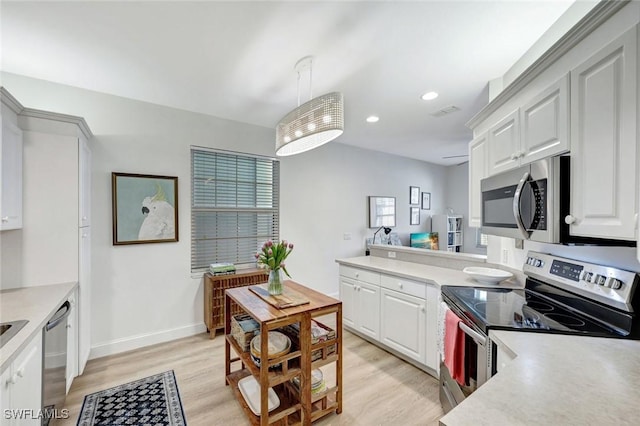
214 287
295 406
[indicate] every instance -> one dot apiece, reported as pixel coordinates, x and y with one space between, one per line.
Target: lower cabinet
361 306
398 313
20 404
403 323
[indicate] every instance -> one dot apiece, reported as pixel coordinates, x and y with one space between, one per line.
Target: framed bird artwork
145 208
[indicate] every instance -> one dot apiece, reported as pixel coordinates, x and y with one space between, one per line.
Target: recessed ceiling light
429 96
373 119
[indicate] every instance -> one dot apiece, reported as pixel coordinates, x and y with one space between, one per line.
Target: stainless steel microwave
524 203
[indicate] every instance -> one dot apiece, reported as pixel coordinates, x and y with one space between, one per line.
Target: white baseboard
142 340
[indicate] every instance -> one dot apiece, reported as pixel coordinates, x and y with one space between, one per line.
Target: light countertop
35 304
557 379
435 275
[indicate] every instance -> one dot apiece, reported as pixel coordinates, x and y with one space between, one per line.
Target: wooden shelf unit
214 287
296 407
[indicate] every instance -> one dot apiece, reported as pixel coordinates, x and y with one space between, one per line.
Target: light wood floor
379 389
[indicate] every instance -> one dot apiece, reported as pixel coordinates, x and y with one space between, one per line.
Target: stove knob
583 275
538 263
588 276
614 283
599 279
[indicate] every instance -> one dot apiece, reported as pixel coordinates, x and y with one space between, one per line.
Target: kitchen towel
454 347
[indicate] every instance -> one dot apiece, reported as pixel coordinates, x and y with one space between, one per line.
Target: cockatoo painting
159 221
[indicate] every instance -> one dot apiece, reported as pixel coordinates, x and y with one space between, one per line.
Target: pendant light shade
310 125
313 123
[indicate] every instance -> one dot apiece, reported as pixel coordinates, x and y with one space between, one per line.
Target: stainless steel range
560 296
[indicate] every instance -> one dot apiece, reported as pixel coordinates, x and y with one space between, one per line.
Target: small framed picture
414 195
426 201
415 216
145 208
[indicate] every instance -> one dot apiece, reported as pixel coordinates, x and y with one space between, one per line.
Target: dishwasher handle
58 317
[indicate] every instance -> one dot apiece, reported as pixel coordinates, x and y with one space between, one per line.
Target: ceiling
236 60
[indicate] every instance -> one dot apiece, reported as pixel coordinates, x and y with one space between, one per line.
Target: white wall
144 294
324 196
457 190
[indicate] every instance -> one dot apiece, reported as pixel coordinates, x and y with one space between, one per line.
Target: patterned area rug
154 400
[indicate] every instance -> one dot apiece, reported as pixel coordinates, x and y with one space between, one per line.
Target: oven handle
516 205
481 340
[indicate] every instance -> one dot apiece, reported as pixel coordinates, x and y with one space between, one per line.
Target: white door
348 289
603 142
72 341
11 177
504 144
403 320
5 395
544 123
84 297
84 187
368 310
478 163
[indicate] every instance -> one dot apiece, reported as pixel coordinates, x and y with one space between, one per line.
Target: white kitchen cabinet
504 356
478 170
21 391
604 115
544 123
84 297
504 144
72 340
361 306
403 322
51 241
84 179
11 174
432 358
538 129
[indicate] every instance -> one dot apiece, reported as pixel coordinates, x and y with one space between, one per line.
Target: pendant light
314 123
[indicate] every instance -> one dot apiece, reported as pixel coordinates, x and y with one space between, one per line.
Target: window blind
234 206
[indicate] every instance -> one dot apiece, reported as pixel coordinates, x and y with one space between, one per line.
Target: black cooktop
536 311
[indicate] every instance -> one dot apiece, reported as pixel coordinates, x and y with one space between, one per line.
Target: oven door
478 362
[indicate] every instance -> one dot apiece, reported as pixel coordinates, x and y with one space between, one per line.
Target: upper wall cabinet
11 174
604 118
537 130
478 170
544 125
504 144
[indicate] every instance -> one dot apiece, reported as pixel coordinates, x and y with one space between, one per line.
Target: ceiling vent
445 111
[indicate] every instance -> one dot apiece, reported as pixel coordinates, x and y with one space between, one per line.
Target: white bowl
487 275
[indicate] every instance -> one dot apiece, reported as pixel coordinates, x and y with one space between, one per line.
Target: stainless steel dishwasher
54 363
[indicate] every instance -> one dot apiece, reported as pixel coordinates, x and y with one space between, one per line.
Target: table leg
305 368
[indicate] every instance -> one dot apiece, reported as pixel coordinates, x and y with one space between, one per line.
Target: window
481 239
234 206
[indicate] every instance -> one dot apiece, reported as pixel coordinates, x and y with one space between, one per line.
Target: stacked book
222 268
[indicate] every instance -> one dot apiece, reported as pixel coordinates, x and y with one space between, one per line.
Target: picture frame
414 195
382 211
414 218
144 208
426 201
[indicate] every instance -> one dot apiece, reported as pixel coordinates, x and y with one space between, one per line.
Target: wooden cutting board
288 299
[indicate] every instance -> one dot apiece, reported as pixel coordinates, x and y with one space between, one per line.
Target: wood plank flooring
379 389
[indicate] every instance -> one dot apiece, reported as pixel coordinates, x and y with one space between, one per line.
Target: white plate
487 275
250 390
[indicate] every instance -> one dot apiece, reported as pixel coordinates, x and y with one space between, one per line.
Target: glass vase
275 282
